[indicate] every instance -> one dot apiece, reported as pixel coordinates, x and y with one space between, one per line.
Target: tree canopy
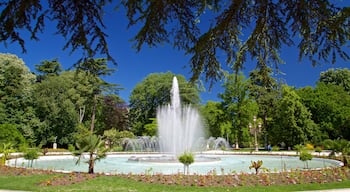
205 29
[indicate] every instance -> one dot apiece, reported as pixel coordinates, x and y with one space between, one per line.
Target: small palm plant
256 165
6 150
94 146
186 159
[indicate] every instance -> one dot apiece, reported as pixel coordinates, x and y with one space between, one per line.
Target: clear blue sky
133 67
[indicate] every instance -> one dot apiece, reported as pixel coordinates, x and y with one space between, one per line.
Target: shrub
305 156
309 146
10 134
31 155
318 150
187 159
275 148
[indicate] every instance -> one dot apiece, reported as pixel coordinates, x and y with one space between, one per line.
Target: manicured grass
114 183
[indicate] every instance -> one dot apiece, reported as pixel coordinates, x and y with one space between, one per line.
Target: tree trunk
93 115
91 163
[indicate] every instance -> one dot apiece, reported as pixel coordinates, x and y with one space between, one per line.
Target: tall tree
339 77
239 29
55 107
264 89
153 92
214 117
112 114
16 88
330 108
94 69
292 123
238 105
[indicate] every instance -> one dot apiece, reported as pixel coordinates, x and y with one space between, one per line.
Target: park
174 96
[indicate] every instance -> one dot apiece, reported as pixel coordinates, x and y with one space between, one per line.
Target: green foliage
214 117
256 165
6 149
298 148
115 138
151 128
30 155
330 107
275 148
10 134
318 149
305 156
292 122
238 106
339 77
186 159
16 94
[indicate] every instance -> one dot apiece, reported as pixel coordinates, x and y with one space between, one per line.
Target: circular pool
227 164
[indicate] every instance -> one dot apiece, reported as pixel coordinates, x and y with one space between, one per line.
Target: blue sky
134 66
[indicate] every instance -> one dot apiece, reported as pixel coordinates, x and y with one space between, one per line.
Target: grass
115 183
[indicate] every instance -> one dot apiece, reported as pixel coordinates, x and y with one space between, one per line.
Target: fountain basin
119 164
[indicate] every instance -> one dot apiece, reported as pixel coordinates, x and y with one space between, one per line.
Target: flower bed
211 179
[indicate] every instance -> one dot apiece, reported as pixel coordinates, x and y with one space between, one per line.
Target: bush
10 134
309 146
305 156
275 148
31 155
187 159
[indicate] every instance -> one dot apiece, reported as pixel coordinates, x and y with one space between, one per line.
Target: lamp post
254 129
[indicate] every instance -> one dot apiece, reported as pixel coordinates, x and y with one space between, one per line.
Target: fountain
180 130
179 127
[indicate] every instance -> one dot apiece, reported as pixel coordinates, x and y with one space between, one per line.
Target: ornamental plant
31 155
6 150
305 156
186 159
256 165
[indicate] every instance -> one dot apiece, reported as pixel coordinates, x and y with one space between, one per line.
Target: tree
151 129
214 118
10 134
186 159
238 106
48 68
323 28
154 91
94 69
330 108
292 123
112 113
265 90
94 145
115 138
56 109
305 156
31 155
15 90
339 77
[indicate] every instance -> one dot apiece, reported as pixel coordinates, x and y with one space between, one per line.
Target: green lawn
114 183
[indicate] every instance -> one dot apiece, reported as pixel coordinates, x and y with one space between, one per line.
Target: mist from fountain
179 127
